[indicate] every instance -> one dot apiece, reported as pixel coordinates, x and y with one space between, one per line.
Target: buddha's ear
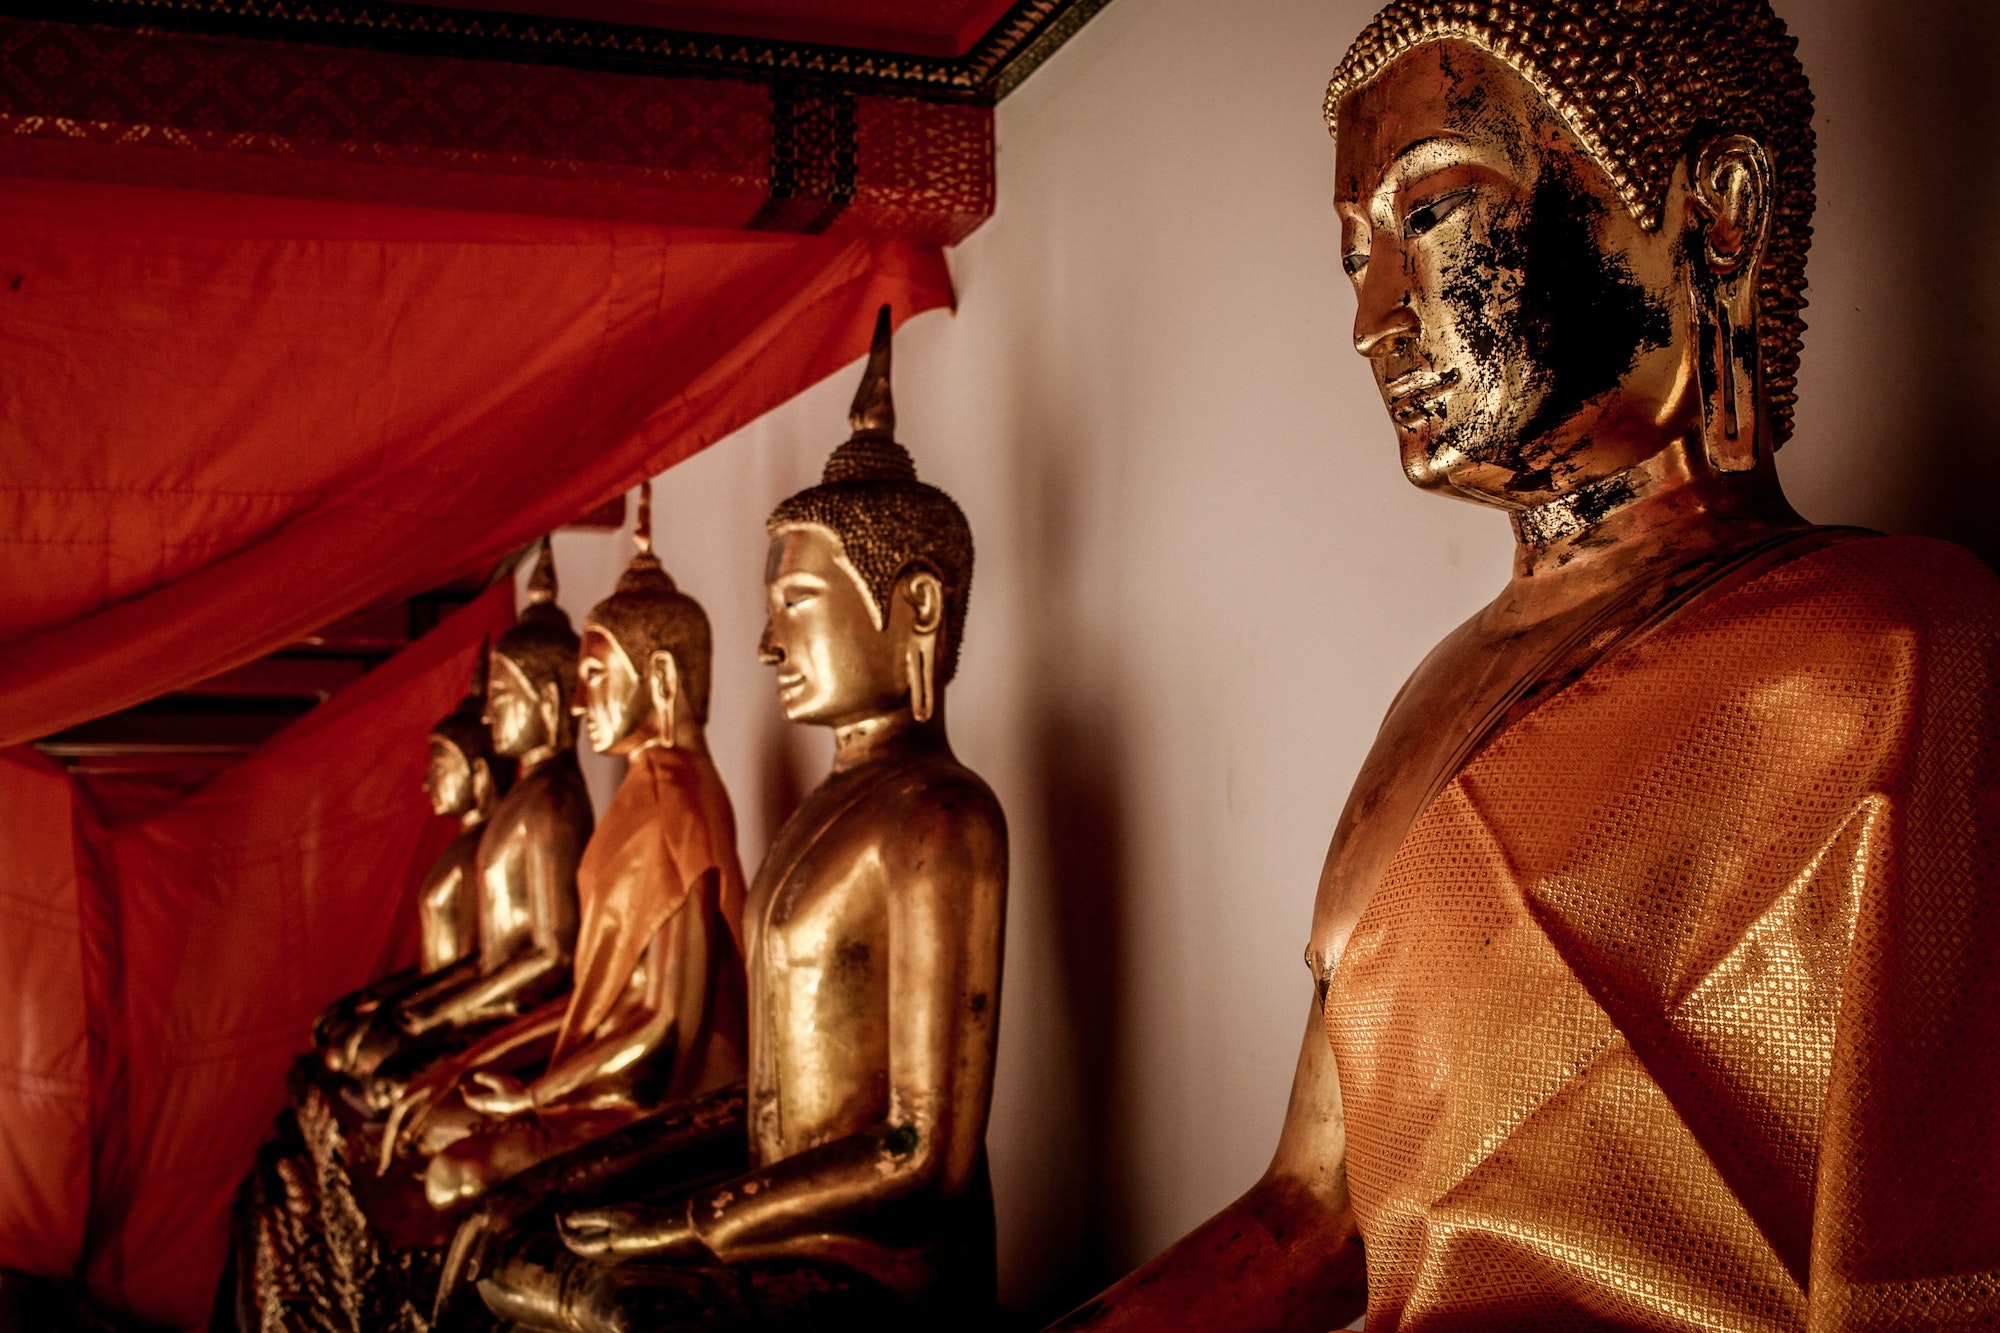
482 780
663 684
924 593
1734 189
554 710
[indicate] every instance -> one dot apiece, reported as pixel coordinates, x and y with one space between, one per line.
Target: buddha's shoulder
1867 586
555 790
938 794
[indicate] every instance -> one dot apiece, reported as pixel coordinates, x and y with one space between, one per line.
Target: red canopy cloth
227 421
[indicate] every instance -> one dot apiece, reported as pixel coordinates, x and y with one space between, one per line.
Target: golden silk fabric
667 842
1679 1007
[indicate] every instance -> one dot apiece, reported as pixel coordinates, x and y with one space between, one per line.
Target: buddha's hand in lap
633 1231
411 1111
492 1093
415 1019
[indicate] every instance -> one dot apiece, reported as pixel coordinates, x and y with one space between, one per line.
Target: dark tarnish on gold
1638 82
887 520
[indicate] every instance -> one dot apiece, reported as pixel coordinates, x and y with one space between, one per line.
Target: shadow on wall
1078 767
1076 775
1932 93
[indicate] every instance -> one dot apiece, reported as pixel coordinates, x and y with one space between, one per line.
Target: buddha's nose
1383 319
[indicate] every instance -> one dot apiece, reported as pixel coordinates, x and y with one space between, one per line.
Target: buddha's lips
1409 396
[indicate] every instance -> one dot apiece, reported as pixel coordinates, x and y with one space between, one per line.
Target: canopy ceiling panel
909 27
844 117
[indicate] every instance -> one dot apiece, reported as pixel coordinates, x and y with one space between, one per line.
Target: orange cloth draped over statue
661 866
1678 1008
225 422
667 845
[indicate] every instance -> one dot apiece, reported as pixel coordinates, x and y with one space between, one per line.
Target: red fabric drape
44 1048
176 947
225 422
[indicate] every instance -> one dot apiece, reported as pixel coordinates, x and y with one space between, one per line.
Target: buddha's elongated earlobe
926 598
1732 185
922 663
663 680
555 717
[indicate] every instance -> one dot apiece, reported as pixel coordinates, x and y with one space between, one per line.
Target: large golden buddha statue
463 780
1653 949
528 852
874 935
656 1012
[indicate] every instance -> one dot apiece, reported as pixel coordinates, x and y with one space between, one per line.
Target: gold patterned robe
1679 1006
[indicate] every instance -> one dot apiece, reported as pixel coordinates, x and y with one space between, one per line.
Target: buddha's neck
1658 515
887 736
539 757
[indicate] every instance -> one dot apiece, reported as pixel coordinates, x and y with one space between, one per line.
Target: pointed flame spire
542 583
645 574
642 530
475 693
873 415
871 452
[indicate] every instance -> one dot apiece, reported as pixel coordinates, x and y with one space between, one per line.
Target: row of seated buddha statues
1652 953
621 1092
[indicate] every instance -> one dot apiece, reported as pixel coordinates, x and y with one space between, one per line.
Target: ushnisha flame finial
873 416
475 693
645 574
871 452
642 529
542 583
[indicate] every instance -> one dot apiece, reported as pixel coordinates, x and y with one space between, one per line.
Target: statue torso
1631 1006
448 904
819 953
1494 665
528 857
667 846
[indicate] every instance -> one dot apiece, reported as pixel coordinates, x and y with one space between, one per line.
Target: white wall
1201 576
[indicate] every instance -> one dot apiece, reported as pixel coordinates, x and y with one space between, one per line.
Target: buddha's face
448 781
611 696
835 666
515 710
1527 335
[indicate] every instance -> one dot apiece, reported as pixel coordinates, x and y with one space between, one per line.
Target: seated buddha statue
463 781
1654 940
656 1011
527 857
874 949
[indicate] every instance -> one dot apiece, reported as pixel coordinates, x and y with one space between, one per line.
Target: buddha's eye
1354 262
1430 213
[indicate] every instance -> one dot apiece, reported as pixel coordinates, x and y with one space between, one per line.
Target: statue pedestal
322 1241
